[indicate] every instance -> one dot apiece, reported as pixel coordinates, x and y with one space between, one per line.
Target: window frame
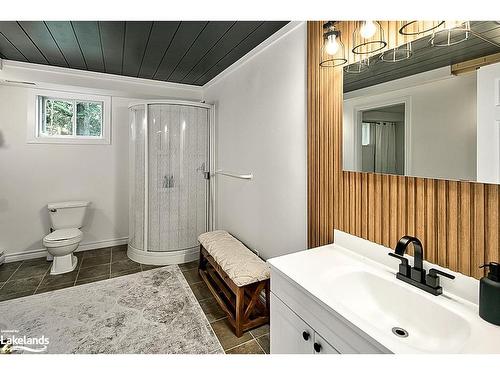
35 114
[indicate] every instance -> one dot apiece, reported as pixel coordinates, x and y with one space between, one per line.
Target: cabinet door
321 346
289 333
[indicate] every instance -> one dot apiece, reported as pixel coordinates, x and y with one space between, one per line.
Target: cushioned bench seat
236 277
240 264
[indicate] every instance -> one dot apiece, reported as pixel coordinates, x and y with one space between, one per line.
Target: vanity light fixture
399 53
333 51
396 54
360 66
368 38
418 27
454 32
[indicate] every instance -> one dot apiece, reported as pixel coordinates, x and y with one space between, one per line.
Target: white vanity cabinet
345 298
291 335
301 324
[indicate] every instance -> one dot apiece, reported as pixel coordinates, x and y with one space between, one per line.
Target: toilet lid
63 234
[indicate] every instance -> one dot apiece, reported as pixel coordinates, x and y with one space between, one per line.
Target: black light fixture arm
329 29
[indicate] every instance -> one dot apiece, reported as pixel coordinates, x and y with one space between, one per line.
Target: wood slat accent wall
458 222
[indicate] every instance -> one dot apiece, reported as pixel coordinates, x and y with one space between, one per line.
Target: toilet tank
67 214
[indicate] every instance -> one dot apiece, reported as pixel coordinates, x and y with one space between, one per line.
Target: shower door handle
206 174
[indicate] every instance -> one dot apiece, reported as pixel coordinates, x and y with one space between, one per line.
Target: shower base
163 258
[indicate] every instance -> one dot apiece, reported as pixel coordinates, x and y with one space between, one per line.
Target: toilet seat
63 237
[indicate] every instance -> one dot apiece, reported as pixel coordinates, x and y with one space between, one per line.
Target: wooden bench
237 278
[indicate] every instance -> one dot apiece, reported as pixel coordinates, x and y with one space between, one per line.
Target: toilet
65 236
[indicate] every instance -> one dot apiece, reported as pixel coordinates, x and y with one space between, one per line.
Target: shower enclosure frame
151 257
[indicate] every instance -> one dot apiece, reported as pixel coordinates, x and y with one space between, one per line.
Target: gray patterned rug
147 312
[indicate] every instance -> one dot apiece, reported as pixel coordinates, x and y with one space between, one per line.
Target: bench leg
240 302
202 264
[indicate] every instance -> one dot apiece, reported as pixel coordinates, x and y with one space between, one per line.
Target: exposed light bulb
331 45
368 29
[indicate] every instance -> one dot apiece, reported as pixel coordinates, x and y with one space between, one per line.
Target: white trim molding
67 79
40 253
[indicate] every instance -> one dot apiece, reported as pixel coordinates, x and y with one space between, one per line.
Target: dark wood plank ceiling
190 52
425 57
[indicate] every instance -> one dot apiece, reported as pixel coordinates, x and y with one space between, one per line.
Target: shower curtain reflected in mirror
385 147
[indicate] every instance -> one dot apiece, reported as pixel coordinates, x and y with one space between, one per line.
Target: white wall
261 128
31 175
488 124
442 124
443 130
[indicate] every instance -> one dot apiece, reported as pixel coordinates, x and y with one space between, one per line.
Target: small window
66 118
365 134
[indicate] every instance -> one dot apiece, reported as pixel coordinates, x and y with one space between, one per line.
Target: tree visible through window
89 119
69 118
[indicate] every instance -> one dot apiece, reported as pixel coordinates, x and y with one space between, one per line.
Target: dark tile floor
255 341
23 278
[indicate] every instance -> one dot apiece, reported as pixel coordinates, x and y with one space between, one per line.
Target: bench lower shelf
243 305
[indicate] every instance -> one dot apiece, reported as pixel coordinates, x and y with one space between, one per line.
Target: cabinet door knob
306 335
317 347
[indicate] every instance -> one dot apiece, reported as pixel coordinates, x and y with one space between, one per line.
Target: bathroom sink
396 310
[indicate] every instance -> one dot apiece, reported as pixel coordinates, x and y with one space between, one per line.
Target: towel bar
235 175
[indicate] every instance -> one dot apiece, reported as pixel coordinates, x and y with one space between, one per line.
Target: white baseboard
39 253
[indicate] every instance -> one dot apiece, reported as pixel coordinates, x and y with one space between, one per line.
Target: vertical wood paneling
371 206
410 206
352 202
358 195
430 222
478 248
420 203
441 256
393 211
377 212
385 213
492 228
458 222
451 225
364 206
465 243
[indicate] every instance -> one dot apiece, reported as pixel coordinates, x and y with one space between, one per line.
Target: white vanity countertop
367 294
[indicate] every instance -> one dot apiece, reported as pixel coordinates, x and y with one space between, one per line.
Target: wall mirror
428 108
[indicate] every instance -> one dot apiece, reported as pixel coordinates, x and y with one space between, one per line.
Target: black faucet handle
435 272
404 267
432 278
400 257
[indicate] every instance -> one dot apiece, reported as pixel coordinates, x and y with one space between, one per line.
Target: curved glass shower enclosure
169 180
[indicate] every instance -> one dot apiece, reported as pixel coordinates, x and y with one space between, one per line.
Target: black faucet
416 275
